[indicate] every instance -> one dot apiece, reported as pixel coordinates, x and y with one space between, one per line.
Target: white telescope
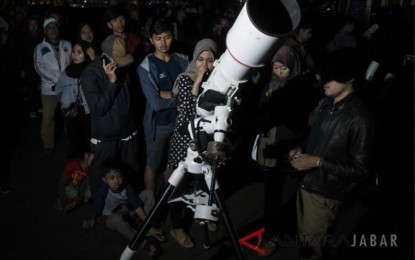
252 38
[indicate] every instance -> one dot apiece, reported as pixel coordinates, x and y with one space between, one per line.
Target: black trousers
280 189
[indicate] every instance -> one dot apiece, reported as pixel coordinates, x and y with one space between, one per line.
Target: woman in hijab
72 99
186 89
284 106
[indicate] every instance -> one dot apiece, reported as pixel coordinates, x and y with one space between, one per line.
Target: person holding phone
106 83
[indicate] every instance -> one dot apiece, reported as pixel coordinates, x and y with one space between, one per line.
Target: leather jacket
345 144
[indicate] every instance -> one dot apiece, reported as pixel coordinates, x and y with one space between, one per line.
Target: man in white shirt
50 59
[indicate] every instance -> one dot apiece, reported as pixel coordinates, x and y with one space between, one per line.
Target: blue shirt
167 73
149 81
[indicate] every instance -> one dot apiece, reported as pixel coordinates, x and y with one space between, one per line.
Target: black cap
343 65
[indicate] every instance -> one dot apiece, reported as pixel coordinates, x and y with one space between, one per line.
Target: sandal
268 246
185 241
151 246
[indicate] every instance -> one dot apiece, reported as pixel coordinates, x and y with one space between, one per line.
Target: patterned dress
186 106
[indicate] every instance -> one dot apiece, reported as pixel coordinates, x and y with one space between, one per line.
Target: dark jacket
288 108
150 84
345 145
113 113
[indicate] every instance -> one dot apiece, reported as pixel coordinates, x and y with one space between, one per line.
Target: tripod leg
206 240
229 226
174 181
141 234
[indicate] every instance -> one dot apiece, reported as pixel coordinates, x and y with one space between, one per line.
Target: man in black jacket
109 93
338 150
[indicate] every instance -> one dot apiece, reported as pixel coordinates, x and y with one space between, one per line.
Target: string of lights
100 2
72 3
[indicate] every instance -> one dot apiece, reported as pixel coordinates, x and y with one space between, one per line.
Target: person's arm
60 85
198 80
152 93
99 91
133 198
353 168
91 53
356 167
302 162
140 213
186 101
165 94
98 203
155 232
43 63
63 90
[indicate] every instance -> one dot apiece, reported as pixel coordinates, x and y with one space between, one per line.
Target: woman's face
33 26
205 59
86 33
280 70
78 55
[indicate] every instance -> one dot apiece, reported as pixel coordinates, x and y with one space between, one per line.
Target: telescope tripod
207 207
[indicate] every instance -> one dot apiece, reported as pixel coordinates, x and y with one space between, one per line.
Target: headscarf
201 46
75 70
286 56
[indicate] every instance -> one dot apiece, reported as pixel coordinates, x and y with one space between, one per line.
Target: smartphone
105 59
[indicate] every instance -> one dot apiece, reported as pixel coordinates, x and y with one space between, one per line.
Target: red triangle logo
258 233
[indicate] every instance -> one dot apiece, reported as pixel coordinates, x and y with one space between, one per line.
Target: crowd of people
127 94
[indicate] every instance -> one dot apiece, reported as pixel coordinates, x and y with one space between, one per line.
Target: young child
120 208
74 183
